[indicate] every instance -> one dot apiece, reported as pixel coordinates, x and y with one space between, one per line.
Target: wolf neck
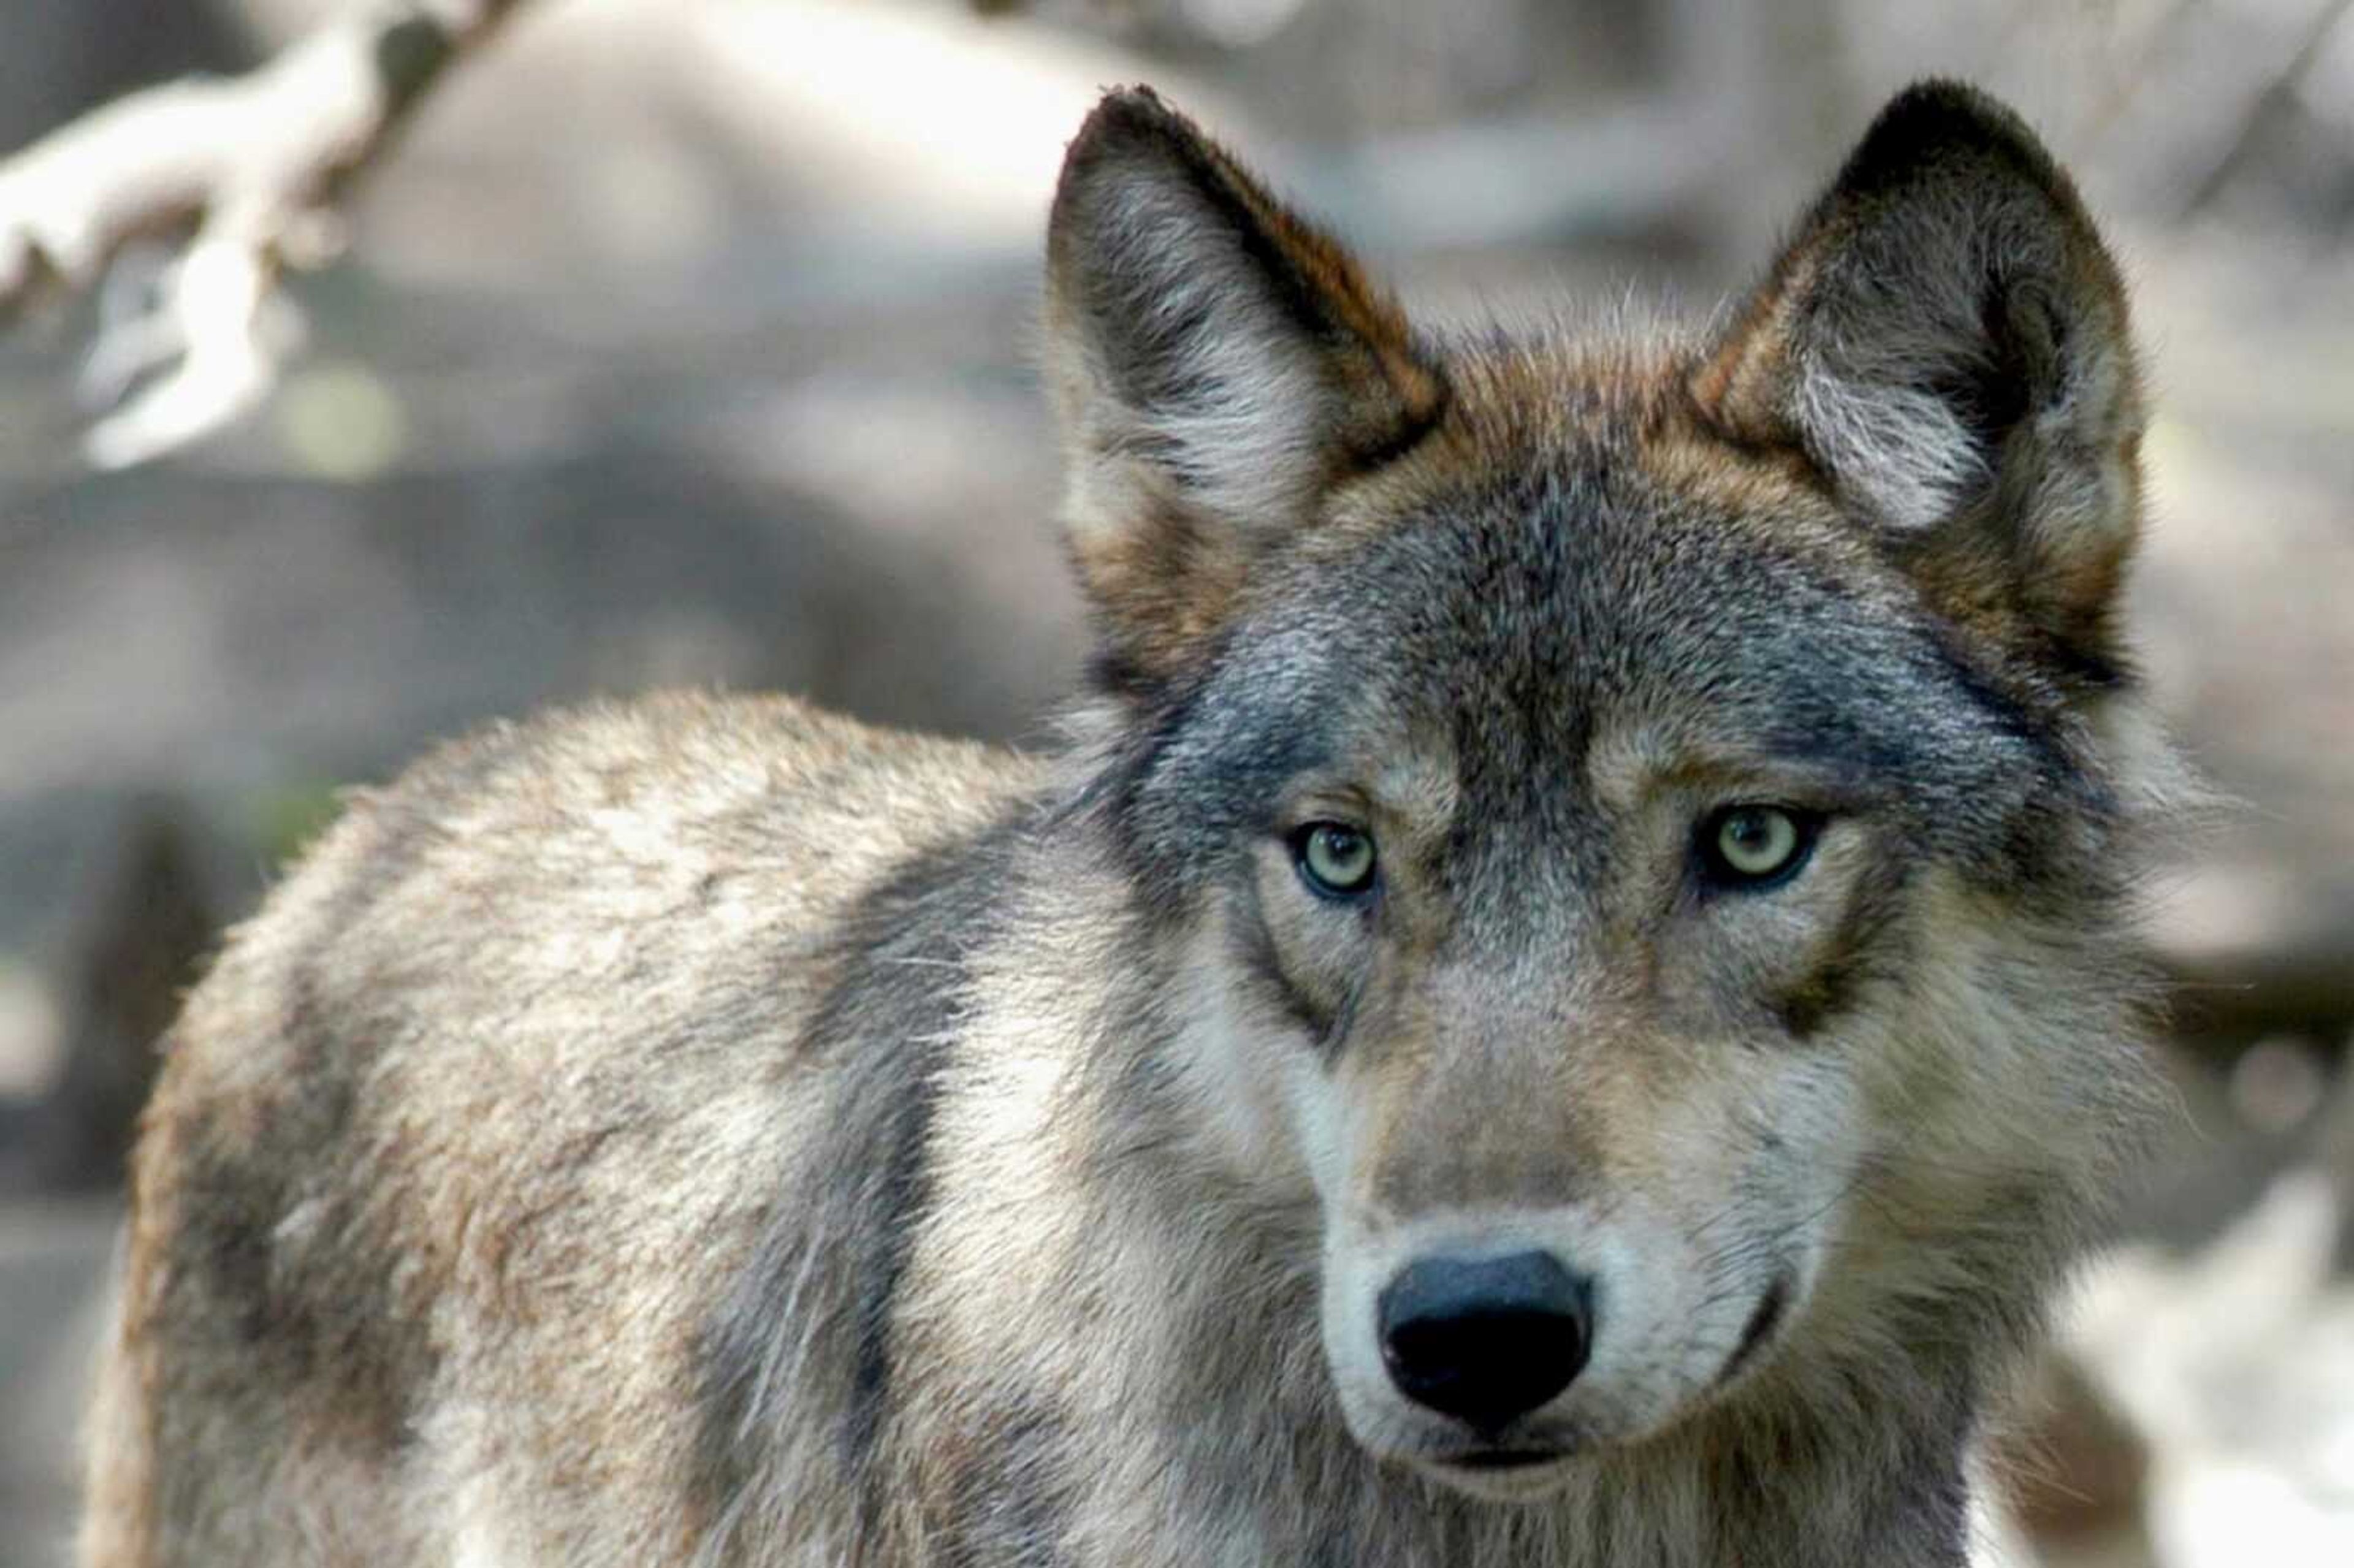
1169 1365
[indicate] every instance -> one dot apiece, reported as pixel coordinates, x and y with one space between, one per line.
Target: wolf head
1647 821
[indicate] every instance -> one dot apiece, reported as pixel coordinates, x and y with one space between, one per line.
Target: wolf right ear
1218 363
1944 341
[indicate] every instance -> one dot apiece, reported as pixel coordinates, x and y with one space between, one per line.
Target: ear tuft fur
1218 363
1946 340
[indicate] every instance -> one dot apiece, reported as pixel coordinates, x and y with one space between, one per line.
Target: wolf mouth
1506 1458
1760 1328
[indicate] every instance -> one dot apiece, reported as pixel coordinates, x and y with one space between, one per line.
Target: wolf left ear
1218 363
1944 341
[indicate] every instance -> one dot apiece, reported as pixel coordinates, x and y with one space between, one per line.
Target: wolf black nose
1485 1339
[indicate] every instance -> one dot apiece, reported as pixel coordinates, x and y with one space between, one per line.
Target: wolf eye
1334 859
1757 846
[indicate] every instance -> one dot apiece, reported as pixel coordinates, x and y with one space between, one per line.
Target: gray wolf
1564 998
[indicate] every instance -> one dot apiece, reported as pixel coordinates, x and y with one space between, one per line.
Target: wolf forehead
1564 563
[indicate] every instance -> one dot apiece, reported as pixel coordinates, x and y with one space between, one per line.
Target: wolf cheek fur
1564 999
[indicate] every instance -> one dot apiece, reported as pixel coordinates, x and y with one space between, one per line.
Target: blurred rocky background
687 341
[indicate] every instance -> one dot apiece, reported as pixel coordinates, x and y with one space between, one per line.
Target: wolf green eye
1334 859
1755 846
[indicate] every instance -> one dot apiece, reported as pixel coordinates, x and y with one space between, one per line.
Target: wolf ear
1944 340
1218 364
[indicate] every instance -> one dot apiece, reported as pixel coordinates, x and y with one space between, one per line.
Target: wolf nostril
1485 1339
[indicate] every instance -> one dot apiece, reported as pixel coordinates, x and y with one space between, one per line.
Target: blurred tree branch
248 169
241 177
2278 93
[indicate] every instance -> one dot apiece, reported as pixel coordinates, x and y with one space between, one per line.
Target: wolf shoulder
642 894
500 1084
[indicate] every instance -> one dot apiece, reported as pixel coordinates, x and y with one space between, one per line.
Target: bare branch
251 167
2280 92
